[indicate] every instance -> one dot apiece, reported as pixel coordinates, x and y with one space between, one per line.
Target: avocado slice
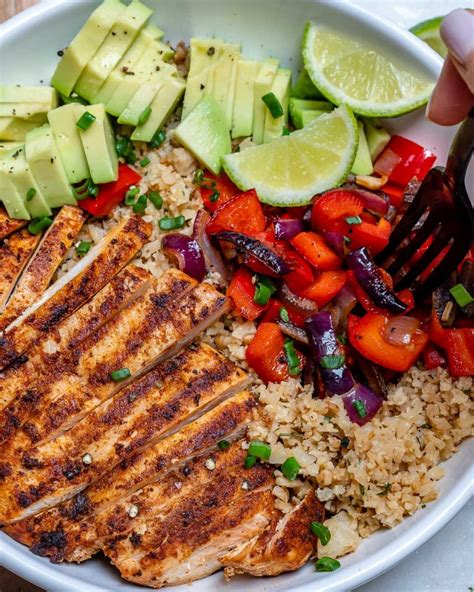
42 156
205 133
263 85
162 106
225 76
300 106
118 40
9 195
310 115
149 34
362 163
15 130
18 93
242 117
98 142
28 111
141 101
6 147
66 134
281 89
23 180
377 137
85 44
304 87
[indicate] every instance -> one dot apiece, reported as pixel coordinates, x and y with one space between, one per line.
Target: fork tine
441 240
421 235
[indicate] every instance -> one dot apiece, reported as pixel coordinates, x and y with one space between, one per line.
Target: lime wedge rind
428 31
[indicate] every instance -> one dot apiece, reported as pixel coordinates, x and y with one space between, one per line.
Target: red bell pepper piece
437 331
366 335
266 355
395 194
373 236
432 358
301 274
415 161
242 213
268 238
315 250
429 269
241 291
325 287
111 194
331 209
459 348
272 313
223 187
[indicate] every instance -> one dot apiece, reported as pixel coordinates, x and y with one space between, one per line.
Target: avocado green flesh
263 85
362 163
377 137
242 117
304 88
140 102
15 130
303 111
281 89
18 93
6 147
9 195
224 80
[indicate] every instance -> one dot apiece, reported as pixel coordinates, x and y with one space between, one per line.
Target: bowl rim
41 572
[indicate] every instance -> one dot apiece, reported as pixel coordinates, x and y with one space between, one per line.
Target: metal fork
442 209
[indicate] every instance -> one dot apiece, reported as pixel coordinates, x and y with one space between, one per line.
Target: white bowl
28 46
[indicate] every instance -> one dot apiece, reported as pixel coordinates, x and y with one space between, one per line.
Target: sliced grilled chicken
44 262
142 414
285 545
73 530
9 225
14 255
18 385
75 288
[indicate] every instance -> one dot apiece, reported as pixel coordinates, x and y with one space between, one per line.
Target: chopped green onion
332 362
119 375
145 161
273 104
250 461
360 408
92 189
327 564
284 316
260 450
347 240
361 489
85 120
342 339
158 139
223 444
345 442
83 248
214 196
286 131
294 366
145 116
353 220
131 194
140 205
290 468
39 224
264 288
320 531
386 488
30 193
461 295
171 223
156 199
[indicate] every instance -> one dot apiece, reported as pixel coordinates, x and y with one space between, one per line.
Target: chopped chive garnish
171 223
30 193
359 407
284 316
327 564
294 366
290 468
353 220
158 139
342 339
85 120
345 442
145 161
140 205
83 248
92 189
273 104
223 444
260 450
286 131
131 194
250 461
461 295
39 224
347 240
386 488
145 116
361 489
156 199
119 375
332 362
320 531
214 196
264 288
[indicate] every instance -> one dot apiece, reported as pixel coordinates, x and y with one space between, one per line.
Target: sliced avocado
204 133
9 195
43 158
281 89
25 184
140 103
300 106
263 85
6 147
304 87
310 115
24 110
377 137
162 107
18 93
242 117
225 76
118 40
85 44
362 163
13 130
66 134
146 36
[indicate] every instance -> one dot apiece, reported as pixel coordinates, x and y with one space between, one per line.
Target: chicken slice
9 225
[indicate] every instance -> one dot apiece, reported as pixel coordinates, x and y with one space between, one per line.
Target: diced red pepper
395 194
432 358
325 287
460 351
272 313
366 335
223 187
373 236
111 194
429 269
315 250
268 238
331 209
301 274
242 213
415 161
437 331
241 291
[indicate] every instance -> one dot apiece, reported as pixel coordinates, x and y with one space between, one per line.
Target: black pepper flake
52 161
61 53
202 87
211 51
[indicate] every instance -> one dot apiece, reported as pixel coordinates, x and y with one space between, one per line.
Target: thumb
457 32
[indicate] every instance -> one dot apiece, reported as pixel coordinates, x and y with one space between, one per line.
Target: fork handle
460 151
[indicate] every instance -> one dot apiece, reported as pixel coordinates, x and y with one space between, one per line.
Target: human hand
453 96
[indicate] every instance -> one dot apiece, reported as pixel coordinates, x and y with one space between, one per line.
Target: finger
457 32
451 100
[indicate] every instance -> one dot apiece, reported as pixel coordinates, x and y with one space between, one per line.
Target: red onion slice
336 242
303 306
287 228
361 404
212 257
400 330
185 252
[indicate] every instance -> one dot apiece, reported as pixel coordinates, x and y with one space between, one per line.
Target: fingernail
457 32
427 111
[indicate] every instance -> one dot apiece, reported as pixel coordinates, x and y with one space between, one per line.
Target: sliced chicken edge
9 225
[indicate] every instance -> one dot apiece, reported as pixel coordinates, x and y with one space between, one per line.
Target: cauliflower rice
369 477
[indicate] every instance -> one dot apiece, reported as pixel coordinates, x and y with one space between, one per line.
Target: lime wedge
290 170
348 71
428 31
